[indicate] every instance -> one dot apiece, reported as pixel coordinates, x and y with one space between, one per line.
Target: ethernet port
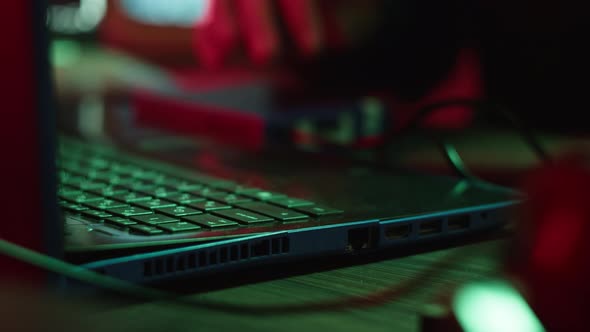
361 239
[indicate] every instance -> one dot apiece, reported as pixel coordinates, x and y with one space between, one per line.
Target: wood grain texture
400 314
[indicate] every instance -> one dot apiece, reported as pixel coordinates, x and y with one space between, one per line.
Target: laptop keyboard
97 184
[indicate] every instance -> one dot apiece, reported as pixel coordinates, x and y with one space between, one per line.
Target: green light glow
65 52
494 306
456 159
460 188
373 112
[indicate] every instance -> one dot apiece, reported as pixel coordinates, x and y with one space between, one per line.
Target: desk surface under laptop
321 281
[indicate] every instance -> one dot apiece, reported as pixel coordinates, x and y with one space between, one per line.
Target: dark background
533 54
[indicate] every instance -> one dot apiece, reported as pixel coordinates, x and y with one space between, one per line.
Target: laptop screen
30 217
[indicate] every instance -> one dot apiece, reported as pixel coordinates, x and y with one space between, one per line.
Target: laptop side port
458 222
430 227
396 232
361 239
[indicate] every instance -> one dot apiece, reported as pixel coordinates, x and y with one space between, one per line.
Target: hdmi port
458 222
397 232
430 227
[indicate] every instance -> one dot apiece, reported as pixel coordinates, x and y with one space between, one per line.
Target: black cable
451 155
526 133
479 106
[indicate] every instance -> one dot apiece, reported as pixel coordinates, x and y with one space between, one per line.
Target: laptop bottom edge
342 239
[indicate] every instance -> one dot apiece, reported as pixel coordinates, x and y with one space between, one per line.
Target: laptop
127 213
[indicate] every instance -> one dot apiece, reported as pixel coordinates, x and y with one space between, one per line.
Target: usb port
430 227
458 222
396 232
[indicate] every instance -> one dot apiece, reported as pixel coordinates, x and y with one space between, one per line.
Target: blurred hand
335 47
261 32
271 31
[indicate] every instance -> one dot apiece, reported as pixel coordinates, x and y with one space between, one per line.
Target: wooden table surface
470 262
305 282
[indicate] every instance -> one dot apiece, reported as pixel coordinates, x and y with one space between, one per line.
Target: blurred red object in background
553 260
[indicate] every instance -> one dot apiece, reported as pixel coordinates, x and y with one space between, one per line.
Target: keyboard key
139 186
154 219
209 206
98 214
181 226
63 174
124 169
73 181
260 194
101 176
208 192
67 190
120 222
159 191
210 221
91 185
223 184
129 211
148 176
230 198
273 211
72 207
70 194
73 168
205 180
189 186
80 197
120 181
318 210
145 229
240 189
96 163
178 211
105 204
289 202
108 191
184 198
243 216
154 203
131 197
169 182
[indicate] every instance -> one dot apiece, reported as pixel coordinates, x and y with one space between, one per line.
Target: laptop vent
208 257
